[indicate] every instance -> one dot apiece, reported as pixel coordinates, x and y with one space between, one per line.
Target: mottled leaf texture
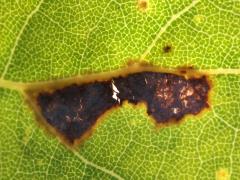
43 41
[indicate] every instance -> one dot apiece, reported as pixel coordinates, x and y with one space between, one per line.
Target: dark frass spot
74 110
167 48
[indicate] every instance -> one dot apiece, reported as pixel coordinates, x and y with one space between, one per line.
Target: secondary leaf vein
19 37
103 169
164 28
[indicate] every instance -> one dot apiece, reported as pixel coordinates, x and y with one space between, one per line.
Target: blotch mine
75 109
72 110
167 96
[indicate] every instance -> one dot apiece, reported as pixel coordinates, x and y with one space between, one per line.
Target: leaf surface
43 40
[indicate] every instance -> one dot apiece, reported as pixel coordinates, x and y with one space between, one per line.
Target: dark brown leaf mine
167 96
75 109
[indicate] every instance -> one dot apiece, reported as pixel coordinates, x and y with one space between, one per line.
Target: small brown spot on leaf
143 5
167 48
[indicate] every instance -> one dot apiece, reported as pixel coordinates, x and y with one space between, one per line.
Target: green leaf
43 40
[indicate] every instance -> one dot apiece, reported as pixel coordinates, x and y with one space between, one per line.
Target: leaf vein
164 28
103 169
19 37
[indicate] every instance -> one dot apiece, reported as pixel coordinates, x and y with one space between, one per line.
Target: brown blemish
143 5
186 69
167 48
71 108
